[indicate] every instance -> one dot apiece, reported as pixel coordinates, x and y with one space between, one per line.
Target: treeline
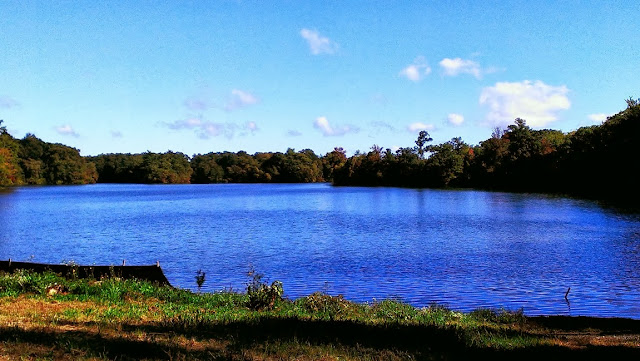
595 161
224 167
33 161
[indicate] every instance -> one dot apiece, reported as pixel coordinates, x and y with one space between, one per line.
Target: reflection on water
464 249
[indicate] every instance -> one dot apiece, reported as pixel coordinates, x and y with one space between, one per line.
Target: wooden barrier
151 273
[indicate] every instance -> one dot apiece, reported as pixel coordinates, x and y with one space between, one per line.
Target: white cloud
317 43
8 102
328 130
417 70
293 133
418 126
66 130
535 102
240 99
455 119
453 67
598 117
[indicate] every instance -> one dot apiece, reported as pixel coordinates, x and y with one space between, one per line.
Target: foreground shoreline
44 316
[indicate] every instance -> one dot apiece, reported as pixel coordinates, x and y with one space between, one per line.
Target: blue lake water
461 248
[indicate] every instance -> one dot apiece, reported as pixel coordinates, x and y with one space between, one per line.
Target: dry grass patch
25 309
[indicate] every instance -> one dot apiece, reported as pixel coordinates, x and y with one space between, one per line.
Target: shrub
394 310
260 295
499 316
22 281
328 306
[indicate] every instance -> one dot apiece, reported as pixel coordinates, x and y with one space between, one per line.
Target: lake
461 248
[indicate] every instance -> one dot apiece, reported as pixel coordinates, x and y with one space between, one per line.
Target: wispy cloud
116 134
598 117
419 126
417 70
66 130
453 67
455 119
240 99
293 133
189 123
200 99
383 126
318 44
211 129
380 128
207 129
204 129
322 124
8 102
197 103
535 102
251 126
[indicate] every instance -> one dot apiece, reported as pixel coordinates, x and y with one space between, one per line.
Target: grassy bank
43 316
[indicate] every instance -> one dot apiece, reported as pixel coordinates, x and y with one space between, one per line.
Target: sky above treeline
203 76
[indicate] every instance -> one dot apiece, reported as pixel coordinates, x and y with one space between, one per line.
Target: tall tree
447 162
421 142
64 165
332 161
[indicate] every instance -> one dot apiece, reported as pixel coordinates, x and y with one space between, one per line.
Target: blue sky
202 76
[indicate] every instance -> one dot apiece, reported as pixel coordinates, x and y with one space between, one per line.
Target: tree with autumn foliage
332 161
10 172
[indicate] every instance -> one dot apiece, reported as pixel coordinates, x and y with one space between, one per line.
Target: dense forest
594 161
33 161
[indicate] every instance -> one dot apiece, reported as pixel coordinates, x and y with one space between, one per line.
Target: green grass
130 316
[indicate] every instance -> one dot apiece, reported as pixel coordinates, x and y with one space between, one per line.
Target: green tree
31 153
241 167
421 142
64 165
522 142
119 168
166 168
447 162
206 169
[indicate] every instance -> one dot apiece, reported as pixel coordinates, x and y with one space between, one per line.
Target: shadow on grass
421 342
413 339
77 344
576 323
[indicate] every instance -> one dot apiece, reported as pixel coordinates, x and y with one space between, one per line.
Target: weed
73 268
395 311
200 279
498 316
326 306
260 295
22 281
